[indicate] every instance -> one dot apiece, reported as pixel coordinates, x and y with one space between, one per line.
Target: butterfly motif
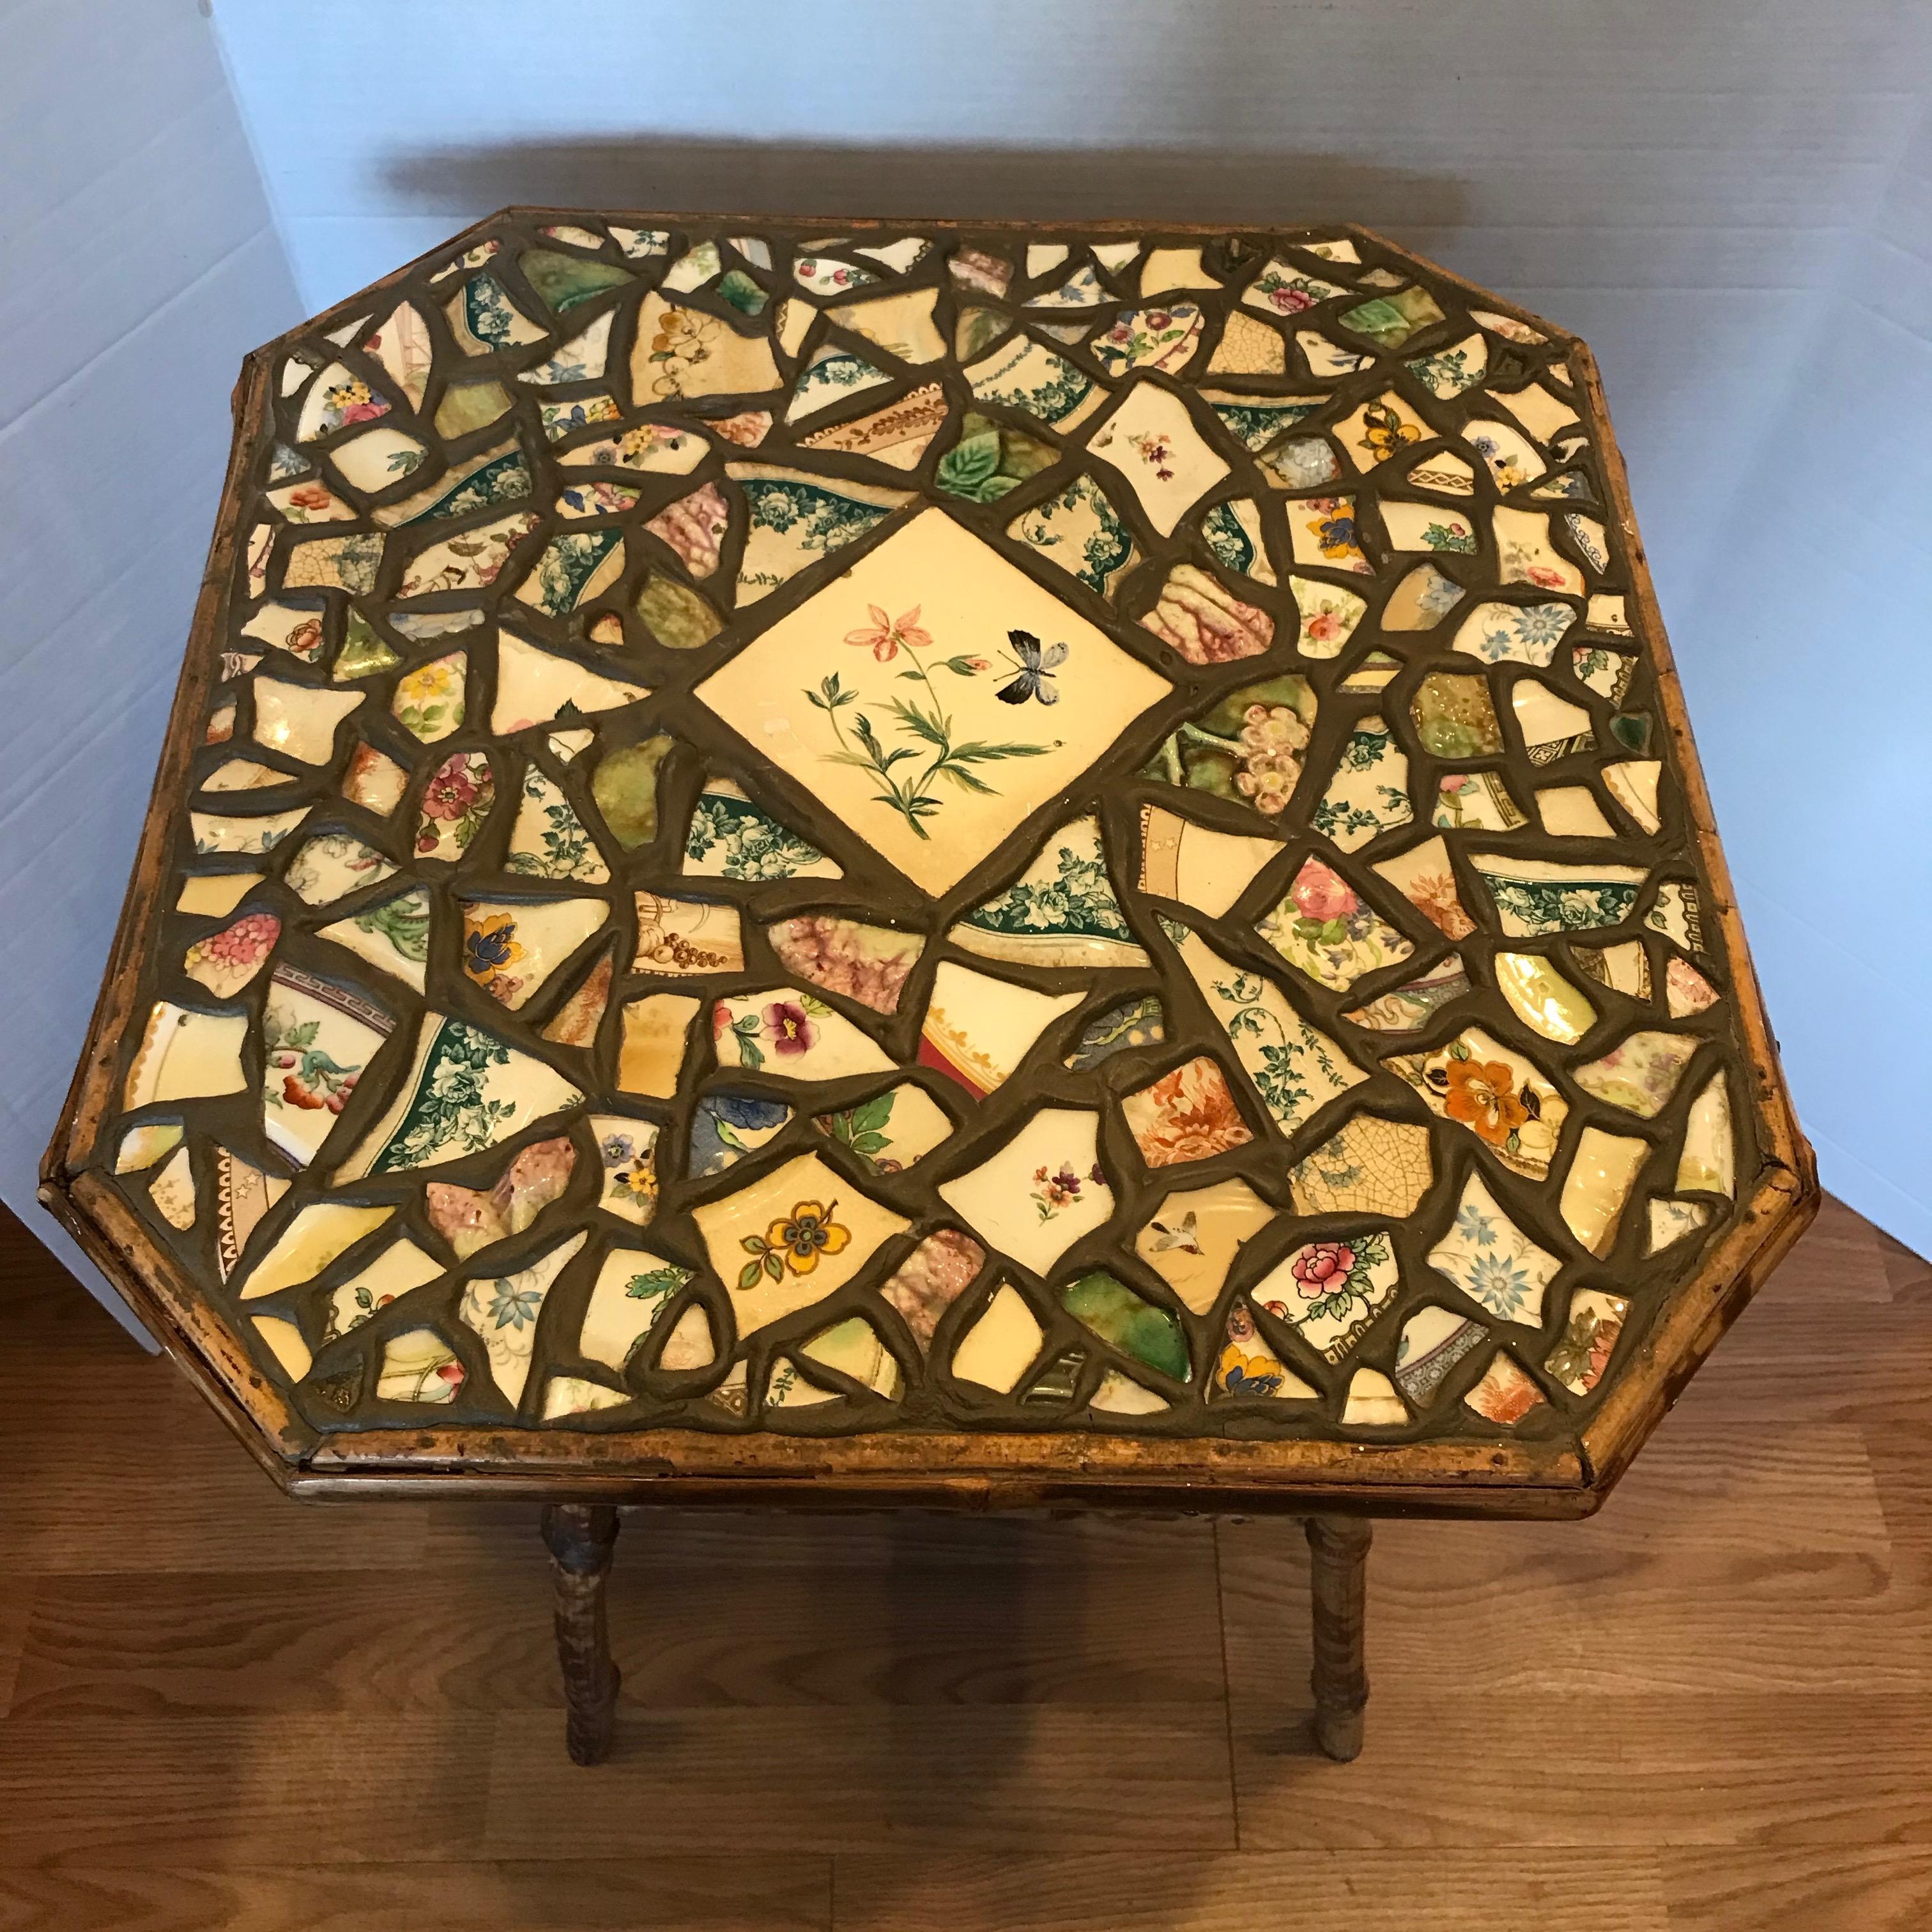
1184 1237
1034 662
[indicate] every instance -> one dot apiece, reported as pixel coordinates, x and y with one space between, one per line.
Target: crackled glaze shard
1080 828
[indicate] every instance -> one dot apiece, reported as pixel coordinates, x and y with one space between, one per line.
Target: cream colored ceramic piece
1510 457
418 1367
298 721
897 434
731 839
1372 1401
1634 784
890 1131
1543 998
548 840
317 1039
791 1238
1601 1176
172 1191
244 774
511 947
852 1348
581 359
1670 1221
1119 1394
1501 1096
217 895
284 1341
1525 554
1571 812
900 324
1324 929
979 1029
1590 1328
377 458
141 1147
648 448
1062 910
1078 530
937 602
1492 1260
999 1347
1331 1291
1434 1339
187 1055
1026 375
466 1089
374 781
576 1395
1166 269
1707 1164
1195 866
1296 1068
393 935
1192 1239
1149 437
213 832
626 1149
535 686
1381 428
503 1310
1640 1073
1539 412
1248 348
399 1267
679 936
656 1032
688 352
1477 801
1552 727
1542 895
1040 1193
317 1236
832 375
788 1034
1329 616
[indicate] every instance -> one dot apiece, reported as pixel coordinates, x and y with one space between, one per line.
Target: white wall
1717 193
139 266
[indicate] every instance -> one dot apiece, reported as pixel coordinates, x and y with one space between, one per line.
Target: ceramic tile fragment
900 324
1079 529
1542 998
997 1351
548 840
852 1348
1329 614
1026 375
897 434
1434 1339
1038 1193
470 562
1590 1328
632 1290
1640 1073
1372 1401
317 1236
1246 1365
789 1034
1571 812
1675 913
1686 990
1410 1006
1324 929
930 1278
890 1131
1708 1163
534 687
978 269
647 448
429 698
225 962
466 1090
1196 866
796 518
1136 1023
1552 727
656 1033
1323 531
141 1147
1302 463
172 1191
185 1055
1501 1096
626 1149
1193 1236
625 788
1295 1067
1504 1394
1247 348
1127 1321
1424 877
418 1367
503 1310
1205 622
1633 783
219 831
1670 1221
1331 1291
1477 801
390 933
1492 1260
978 1030
1233 531
1061 911
690 353
456 801
1602 1173
566 1395
1540 895
1189 1114
511 948
726 1127
1247 746
1624 967
729 838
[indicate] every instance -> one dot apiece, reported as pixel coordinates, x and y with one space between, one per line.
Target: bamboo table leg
581 1538
1339 1584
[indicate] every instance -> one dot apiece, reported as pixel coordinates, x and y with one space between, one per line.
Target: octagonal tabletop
960 862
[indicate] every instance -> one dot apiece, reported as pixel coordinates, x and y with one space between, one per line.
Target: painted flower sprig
928 724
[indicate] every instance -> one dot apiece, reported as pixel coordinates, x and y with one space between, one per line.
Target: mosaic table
944 865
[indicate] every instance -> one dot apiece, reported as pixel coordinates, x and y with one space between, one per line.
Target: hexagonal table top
970 861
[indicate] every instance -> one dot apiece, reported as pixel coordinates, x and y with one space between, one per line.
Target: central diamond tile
932 697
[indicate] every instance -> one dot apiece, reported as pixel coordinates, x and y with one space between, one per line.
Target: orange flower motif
1482 1095
887 635
807 1232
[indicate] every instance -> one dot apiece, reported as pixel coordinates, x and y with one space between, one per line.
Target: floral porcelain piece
1060 820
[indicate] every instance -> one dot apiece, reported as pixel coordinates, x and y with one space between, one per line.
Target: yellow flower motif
795 1242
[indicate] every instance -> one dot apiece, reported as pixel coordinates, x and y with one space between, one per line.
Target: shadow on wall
708 177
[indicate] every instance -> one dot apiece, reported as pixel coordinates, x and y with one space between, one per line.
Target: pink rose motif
789 1026
1324 627
1322 894
450 794
1323 1267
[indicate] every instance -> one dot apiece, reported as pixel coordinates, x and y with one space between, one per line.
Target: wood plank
744 1612
638 1893
16 1605
1251 1892
1510 1768
1860 1888
868 1779
175 1787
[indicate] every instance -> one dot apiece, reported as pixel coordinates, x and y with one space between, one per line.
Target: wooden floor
1711 1707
